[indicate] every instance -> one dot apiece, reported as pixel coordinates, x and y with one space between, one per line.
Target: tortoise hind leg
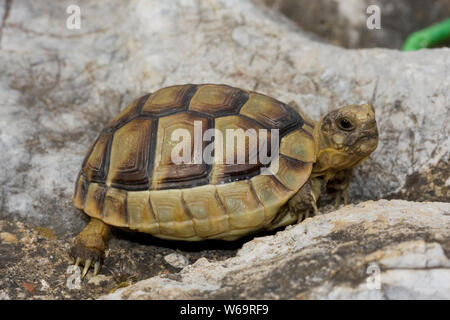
90 245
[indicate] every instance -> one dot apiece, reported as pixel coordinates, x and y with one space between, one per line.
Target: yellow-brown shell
128 179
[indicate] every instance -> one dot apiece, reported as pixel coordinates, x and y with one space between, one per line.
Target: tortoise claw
77 262
87 264
345 196
341 198
87 257
97 268
337 200
314 204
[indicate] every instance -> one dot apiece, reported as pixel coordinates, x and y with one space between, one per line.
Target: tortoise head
345 137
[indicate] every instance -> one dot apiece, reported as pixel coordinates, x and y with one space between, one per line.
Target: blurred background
343 22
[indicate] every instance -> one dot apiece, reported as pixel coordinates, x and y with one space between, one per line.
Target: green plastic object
428 37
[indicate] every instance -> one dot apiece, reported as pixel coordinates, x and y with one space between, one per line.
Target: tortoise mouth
367 143
368 131
363 144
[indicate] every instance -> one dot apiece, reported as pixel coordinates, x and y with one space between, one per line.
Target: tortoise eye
345 124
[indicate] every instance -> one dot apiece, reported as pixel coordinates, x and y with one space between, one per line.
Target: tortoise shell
128 178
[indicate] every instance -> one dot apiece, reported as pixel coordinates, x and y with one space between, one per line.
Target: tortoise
130 179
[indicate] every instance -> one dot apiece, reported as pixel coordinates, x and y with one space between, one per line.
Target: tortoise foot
90 246
87 257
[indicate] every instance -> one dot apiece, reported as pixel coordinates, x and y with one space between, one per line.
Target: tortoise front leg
339 187
90 245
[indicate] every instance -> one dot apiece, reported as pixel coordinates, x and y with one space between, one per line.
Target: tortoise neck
319 144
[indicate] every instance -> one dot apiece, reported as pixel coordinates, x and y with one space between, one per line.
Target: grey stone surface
60 86
176 260
374 250
35 263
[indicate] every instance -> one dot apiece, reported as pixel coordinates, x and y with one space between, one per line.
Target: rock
99 280
176 260
43 263
60 86
29 287
407 256
4 295
8 237
411 270
378 250
44 285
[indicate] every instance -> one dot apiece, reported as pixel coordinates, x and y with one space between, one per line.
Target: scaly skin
339 186
90 246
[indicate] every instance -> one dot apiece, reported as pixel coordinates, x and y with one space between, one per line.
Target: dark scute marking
185 176
279 183
240 100
294 121
256 122
219 202
152 211
180 103
152 151
232 100
255 194
237 172
115 205
297 166
84 187
229 172
99 196
83 164
169 175
96 170
125 185
186 208
125 116
81 188
271 113
188 96
200 114
107 159
275 178
292 160
133 173
142 102
309 134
